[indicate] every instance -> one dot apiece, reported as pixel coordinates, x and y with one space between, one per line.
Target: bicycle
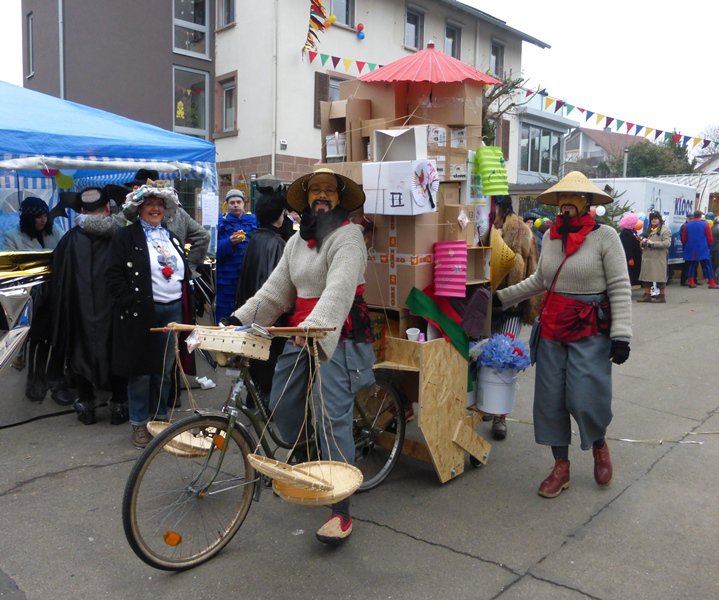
191 489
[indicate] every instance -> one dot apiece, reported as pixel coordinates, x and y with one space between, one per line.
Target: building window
225 13
30 46
190 102
327 89
496 60
229 104
414 29
190 27
344 10
452 40
540 150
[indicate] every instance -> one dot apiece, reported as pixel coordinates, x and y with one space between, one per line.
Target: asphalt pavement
654 533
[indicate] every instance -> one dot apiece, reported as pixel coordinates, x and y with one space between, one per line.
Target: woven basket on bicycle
185 444
312 483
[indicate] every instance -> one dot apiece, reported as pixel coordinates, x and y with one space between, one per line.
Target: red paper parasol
428 65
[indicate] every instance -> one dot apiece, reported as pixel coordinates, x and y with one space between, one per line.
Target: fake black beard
319 226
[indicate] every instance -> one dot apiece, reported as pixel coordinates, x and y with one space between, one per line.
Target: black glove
496 303
231 320
619 352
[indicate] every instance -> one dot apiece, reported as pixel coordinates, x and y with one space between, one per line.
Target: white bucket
497 391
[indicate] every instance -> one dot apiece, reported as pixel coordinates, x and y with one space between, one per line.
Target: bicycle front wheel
185 499
378 429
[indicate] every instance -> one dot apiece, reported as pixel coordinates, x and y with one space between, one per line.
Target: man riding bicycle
320 281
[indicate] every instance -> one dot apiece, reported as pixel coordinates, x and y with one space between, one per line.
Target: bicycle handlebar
313 332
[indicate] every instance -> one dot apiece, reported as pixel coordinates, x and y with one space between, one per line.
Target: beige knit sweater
332 275
598 266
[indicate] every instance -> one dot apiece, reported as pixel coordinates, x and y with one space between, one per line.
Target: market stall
49 145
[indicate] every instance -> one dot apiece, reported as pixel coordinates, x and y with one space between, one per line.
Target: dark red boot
692 282
713 284
602 465
557 481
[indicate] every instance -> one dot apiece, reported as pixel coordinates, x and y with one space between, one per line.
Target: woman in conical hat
585 328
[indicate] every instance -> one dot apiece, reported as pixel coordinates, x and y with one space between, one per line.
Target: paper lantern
501 260
450 268
64 181
493 170
601 211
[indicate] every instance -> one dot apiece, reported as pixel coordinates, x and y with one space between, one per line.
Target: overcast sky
645 63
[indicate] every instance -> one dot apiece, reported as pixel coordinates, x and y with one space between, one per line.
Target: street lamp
626 159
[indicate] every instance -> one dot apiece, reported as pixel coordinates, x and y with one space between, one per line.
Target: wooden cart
435 373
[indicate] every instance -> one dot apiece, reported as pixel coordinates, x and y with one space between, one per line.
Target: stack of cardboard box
411 159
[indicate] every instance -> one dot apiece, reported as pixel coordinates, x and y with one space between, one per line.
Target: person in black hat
261 257
82 309
36 231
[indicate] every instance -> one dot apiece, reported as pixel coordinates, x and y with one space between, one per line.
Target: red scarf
578 229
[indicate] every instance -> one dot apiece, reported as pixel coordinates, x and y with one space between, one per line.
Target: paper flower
503 351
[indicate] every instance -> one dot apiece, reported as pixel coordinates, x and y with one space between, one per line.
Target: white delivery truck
643 195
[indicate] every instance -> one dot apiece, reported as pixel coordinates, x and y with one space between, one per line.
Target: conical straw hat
575 182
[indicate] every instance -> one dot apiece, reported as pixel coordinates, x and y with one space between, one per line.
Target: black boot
85 410
119 413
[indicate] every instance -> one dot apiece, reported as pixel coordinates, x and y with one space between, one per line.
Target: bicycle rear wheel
181 507
378 430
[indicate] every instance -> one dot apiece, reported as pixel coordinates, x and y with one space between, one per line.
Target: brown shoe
557 481
659 299
645 298
140 436
602 465
499 427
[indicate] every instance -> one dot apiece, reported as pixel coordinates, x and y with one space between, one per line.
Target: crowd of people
120 276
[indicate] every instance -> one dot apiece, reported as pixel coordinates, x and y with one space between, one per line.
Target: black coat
633 252
135 349
261 257
82 305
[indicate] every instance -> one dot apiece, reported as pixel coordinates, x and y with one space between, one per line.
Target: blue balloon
360 35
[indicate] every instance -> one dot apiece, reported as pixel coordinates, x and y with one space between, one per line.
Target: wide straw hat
502 259
575 182
350 193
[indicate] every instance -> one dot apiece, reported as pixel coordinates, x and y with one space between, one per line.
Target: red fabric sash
304 306
575 239
565 319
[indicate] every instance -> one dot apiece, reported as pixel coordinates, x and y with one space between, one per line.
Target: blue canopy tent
41 134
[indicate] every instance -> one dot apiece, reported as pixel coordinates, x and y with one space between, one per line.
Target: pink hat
628 220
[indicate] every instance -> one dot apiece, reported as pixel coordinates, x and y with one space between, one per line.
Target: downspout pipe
61 46
274 91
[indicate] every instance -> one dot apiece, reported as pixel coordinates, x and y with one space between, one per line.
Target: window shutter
322 93
504 136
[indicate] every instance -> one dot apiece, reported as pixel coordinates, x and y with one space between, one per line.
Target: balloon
360 26
332 19
64 181
537 223
593 210
360 35
49 172
601 211
640 225
642 216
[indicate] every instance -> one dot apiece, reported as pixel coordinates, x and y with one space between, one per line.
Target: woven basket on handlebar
230 341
